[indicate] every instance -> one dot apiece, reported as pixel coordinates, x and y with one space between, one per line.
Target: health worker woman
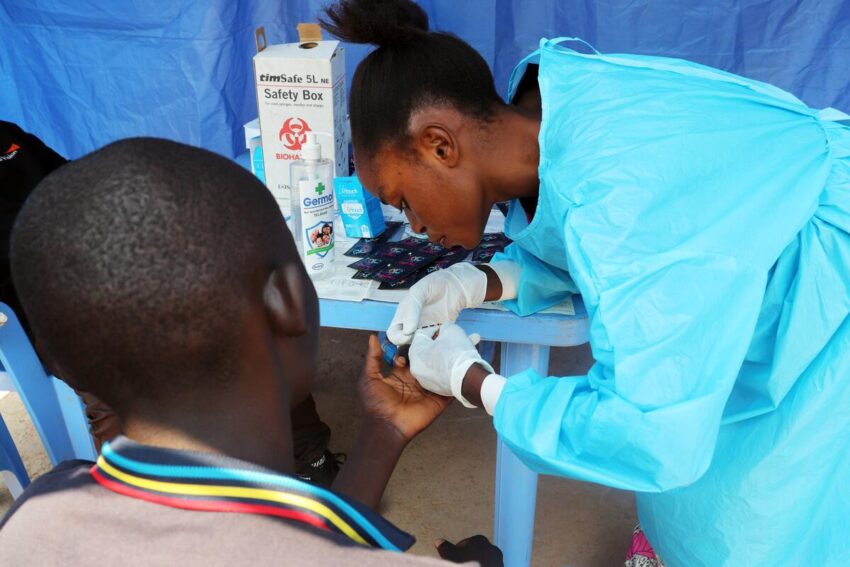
705 220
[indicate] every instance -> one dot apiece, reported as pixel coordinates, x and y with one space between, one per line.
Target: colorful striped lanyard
198 481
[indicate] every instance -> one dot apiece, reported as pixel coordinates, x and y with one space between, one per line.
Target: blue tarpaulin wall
82 73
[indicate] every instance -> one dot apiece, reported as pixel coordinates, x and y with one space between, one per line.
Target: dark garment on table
144 505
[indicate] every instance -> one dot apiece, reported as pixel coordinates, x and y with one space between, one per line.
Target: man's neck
230 427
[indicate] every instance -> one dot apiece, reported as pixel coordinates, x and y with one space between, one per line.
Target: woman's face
446 203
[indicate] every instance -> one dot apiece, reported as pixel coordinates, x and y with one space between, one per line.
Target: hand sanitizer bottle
313 209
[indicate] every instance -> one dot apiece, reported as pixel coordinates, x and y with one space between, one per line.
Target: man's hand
475 548
397 399
397 409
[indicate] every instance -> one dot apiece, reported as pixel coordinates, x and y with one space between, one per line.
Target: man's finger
374 355
402 356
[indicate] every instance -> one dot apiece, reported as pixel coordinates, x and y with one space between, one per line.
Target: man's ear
283 297
437 142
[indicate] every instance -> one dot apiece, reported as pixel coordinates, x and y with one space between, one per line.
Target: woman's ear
283 299
437 142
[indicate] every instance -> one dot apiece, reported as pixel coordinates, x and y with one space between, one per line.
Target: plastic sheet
80 74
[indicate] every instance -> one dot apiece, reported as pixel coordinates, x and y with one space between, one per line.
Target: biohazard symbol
294 133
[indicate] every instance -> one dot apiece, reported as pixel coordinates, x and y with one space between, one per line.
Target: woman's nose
415 224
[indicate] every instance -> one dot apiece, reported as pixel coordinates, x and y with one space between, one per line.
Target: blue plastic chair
55 409
11 466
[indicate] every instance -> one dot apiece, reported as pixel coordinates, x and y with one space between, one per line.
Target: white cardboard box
252 130
300 88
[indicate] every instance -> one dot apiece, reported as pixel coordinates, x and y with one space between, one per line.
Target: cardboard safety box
300 88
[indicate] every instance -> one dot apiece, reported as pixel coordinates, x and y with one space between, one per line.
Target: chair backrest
55 409
12 469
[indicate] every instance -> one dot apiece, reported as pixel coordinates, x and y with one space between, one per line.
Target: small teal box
360 211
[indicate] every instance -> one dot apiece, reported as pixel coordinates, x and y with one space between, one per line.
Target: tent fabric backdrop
82 73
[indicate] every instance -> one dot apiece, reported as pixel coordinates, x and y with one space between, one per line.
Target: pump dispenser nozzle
311 150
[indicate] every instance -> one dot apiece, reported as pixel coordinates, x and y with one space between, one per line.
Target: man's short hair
135 265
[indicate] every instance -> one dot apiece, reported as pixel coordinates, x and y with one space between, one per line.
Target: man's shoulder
69 504
68 478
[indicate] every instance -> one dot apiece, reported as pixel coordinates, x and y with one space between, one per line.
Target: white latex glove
438 298
440 364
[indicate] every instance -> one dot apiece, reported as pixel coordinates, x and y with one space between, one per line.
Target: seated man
24 162
162 279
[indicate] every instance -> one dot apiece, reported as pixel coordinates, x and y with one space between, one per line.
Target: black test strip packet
494 237
393 273
490 244
423 245
484 255
366 246
454 255
401 266
447 258
395 251
401 284
368 264
393 262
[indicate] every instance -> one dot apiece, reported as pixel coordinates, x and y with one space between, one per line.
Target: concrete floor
443 486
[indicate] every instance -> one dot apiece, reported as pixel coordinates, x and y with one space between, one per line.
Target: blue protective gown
705 220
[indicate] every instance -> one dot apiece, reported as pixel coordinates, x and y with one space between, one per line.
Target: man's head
153 271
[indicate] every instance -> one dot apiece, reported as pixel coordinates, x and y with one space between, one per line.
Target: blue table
525 344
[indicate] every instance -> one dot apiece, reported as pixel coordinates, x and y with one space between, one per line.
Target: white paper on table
566 307
387 295
341 286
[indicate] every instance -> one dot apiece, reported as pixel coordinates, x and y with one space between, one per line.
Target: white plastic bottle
313 209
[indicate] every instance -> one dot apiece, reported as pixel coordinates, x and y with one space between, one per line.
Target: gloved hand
438 298
440 364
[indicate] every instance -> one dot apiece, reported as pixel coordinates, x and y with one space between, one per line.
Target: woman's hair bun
376 22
